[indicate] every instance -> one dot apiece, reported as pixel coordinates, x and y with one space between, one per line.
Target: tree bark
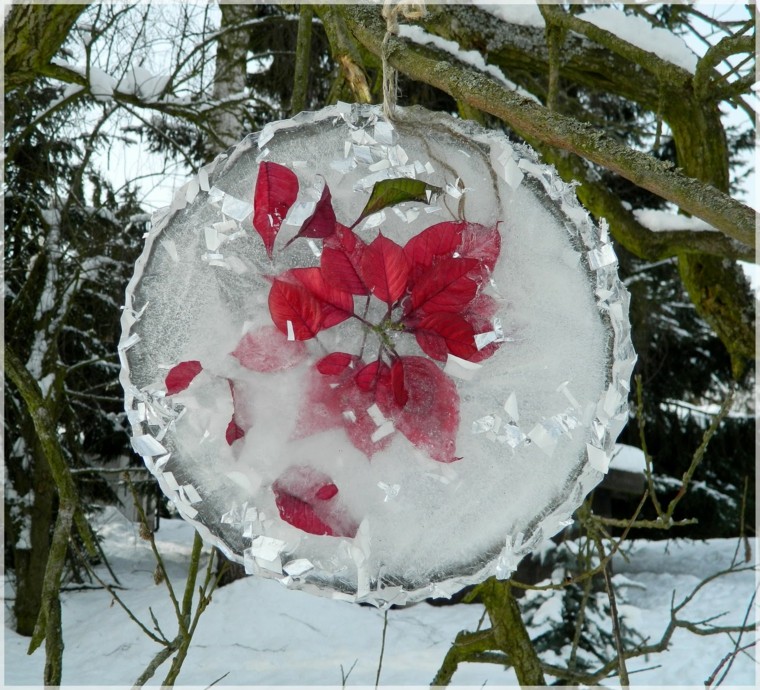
718 288
33 35
482 92
227 125
509 631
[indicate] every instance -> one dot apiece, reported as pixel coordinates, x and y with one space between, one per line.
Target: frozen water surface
401 524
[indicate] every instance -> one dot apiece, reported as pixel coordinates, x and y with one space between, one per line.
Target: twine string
391 10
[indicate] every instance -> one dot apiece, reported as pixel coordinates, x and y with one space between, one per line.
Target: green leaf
396 191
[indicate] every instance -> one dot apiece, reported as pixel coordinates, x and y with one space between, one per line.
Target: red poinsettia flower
430 289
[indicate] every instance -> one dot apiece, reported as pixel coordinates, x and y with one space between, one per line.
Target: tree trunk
229 76
30 562
717 287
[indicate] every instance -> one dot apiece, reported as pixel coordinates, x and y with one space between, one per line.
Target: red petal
480 313
326 492
297 495
267 349
354 400
443 332
329 406
234 432
338 305
481 243
445 286
385 269
400 394
368 377
430 417
241 406
335 363
339 269
438 240
181 375
276 191
300 514
341 261
321 223
294 304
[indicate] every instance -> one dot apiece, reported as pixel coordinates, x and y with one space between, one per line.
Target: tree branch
726 47
463 83
33 35
344 51
303 55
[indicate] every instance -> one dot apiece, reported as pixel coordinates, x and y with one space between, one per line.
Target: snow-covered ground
256 632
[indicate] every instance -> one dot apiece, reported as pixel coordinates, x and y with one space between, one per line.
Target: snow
639 32
469 57
259 633
523 14
142 83
633 29
628 459
663 221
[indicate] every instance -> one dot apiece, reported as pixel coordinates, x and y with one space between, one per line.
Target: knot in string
391 10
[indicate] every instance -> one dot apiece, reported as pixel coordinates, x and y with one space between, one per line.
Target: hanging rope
391 10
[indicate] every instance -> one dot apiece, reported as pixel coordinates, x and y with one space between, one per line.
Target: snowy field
257 633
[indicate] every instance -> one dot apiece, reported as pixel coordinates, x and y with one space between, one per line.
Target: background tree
87 84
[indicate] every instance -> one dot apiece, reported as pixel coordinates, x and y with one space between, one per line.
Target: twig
742 532
699 453
344 676
382 649
126 609
642 439
738 649
217 680
730 656
622 669
186 627
156 554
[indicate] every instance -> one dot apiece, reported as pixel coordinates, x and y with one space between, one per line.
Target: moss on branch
33 35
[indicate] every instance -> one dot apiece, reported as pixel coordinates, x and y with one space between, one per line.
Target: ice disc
379 361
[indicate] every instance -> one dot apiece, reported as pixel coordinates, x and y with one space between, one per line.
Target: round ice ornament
376 361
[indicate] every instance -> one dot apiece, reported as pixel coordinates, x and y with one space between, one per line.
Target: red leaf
268 350
305 498
481 243
445 287
479 314
430 416
337 305
400 394
385 269
443 332
321 223
276 191
357 423
326 492
341 261
439 240
329 404
234 432
294 304
181 375
300 514
334 363
241 406
368 377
